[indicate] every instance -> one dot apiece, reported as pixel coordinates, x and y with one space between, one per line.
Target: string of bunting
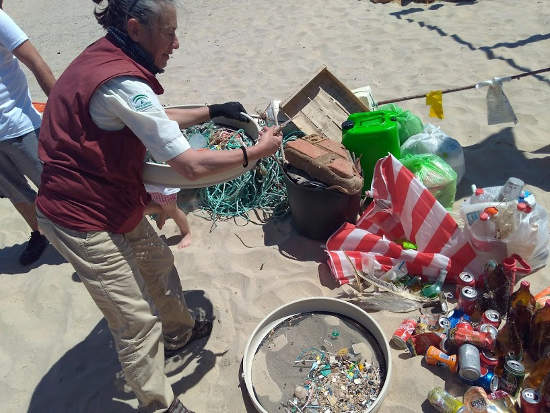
499 108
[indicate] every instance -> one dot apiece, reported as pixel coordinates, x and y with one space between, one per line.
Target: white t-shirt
129 101
17 115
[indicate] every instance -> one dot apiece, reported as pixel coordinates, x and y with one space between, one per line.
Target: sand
56 354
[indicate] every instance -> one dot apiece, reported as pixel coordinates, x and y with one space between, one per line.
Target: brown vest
92 178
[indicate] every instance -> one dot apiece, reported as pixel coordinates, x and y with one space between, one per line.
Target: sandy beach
56 352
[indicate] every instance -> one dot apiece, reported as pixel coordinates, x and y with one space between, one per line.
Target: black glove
231 110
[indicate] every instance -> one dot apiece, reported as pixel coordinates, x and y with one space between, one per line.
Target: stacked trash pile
496 340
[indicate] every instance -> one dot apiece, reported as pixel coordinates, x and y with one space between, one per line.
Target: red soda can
403 333
464 325
483 341
489 328
491 317
464 279
467 299
488 360
530 401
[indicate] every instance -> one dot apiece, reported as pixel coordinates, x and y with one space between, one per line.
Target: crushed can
488 328
403 333
488 360
483 341
457 316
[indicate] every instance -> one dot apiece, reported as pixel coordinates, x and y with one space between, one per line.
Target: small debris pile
336 382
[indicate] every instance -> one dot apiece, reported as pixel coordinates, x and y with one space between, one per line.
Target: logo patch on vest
141 102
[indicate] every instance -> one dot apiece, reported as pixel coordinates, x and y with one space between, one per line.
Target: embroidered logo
141 102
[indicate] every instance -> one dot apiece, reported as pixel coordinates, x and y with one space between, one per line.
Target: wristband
245 156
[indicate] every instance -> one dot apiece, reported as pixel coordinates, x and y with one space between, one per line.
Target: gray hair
117 12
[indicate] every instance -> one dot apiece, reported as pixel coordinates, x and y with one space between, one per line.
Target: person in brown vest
101 115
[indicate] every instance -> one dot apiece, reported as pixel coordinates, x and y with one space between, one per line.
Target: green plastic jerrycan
370 136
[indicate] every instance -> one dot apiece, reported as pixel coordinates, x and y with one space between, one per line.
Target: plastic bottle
539 345
444 402
481 195
433 290
522 308
511 189
395 273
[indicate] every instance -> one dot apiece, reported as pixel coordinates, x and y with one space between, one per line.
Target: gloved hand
231 110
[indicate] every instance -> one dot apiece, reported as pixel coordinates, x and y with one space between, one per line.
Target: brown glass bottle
538 372
522 308
539 344
508 345
545 394
496 292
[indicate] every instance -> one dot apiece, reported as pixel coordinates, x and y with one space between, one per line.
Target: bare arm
195 164
188 117
30 57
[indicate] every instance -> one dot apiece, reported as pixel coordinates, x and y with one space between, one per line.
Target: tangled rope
262 187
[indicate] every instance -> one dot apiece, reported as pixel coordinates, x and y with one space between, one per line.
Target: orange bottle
539 344
522 308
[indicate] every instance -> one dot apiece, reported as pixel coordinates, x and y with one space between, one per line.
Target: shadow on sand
88 378
9 259
512 161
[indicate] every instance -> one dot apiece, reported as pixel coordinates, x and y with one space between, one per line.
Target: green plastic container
371 135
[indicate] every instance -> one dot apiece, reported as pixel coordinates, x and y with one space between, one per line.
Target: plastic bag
510 231
435 174
408 123
434 140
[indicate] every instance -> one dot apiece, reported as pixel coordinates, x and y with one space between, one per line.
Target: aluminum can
488 360
467 299
483 341
531 401
403 333
491 317
488 328
469 364
464 325
436 357
488 381
465 279
444 324
457 316
444 402
502 402
512 377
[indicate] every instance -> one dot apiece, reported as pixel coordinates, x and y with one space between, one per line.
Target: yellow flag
434 100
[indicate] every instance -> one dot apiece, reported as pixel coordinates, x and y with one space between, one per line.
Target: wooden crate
321 105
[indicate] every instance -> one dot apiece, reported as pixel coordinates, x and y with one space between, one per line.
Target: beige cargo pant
133 281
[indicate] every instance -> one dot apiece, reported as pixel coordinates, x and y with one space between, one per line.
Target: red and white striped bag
402 209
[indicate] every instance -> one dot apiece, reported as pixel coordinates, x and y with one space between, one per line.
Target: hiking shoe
178 407
34 249
202 329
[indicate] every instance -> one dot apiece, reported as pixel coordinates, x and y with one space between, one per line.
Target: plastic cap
348 124
484 216
547 303
522 206
479 191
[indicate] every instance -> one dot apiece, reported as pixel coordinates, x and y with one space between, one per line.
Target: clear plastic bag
510 231
433 140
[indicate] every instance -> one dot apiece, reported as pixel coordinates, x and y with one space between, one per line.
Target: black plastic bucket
318 212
